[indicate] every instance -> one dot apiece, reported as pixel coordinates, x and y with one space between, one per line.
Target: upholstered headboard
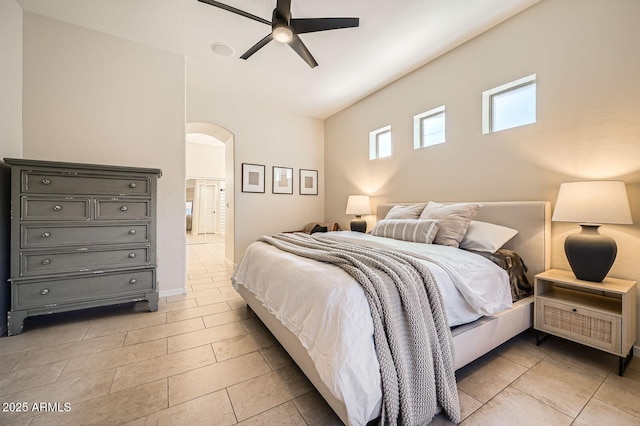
532 219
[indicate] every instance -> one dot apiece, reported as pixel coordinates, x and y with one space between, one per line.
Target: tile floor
204 358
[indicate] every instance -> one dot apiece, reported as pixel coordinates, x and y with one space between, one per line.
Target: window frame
488 114
418 127
374 142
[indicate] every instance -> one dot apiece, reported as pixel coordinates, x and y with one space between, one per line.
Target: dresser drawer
35 236
122 209
69 208
87 260
53 292
54 183
579 324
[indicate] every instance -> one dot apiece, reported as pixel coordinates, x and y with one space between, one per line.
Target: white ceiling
394 38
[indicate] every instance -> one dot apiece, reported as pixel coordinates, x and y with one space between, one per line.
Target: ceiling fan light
282 34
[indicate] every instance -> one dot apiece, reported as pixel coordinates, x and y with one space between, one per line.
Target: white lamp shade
594 202
358 205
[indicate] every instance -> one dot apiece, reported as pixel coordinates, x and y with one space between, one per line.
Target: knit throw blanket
411 334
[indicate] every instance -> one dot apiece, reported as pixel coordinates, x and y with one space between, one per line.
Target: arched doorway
220 191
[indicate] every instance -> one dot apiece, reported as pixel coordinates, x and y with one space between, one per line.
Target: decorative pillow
454 220
318 228
405 212
419 231
511 262
483 236
331 226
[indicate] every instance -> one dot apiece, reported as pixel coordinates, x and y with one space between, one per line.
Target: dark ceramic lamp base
590 253
359 225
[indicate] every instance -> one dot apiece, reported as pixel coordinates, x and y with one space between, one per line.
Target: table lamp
592 204
358 205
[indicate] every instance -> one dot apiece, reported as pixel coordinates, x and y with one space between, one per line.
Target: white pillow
483 236
405 212
419 231
454 220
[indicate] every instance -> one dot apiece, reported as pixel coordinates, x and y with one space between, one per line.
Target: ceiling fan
285 29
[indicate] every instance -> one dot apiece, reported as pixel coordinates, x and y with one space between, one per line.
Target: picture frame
308 182
253 178
282 180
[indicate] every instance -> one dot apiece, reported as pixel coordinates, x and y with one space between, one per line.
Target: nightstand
597 314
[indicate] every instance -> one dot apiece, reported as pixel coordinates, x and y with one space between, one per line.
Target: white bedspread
327 310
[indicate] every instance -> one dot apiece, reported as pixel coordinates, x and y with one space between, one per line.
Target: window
510 105
428 128
380 143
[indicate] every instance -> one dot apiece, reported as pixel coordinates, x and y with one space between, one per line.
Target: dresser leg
153 301
540 337
15 322
624 361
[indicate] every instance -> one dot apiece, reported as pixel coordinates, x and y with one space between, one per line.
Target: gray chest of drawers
82 236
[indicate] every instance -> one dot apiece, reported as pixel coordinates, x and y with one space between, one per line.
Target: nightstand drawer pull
57 208
46 261
132 185
132 232
133 281
132 255
46 181
123 208
46 235
574 310
44 291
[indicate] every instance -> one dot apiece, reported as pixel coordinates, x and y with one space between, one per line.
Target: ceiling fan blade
299 47
259 45
310 25
234 10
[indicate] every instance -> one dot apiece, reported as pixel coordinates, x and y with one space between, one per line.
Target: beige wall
264 135
10 79
93 98
205 161
585 54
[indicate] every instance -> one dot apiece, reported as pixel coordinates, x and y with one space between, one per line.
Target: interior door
207 208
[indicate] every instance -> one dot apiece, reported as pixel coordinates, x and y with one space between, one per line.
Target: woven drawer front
575 323
582 325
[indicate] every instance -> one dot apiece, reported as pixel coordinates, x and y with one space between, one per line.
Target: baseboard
175 292
229 264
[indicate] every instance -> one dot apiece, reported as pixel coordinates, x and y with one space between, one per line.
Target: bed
472 337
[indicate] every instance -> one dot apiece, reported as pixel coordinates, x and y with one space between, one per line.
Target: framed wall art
252 178
308 182
282 180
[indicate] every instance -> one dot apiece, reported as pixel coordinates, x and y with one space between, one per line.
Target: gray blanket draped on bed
411 334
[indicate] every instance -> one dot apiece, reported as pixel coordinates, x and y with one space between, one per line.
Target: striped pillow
419 231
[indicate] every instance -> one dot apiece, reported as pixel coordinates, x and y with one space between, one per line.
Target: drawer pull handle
44 291
574 310
133 281
46 235
46 181
132 255
132 232
123 208
132 185
46 262
57 208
